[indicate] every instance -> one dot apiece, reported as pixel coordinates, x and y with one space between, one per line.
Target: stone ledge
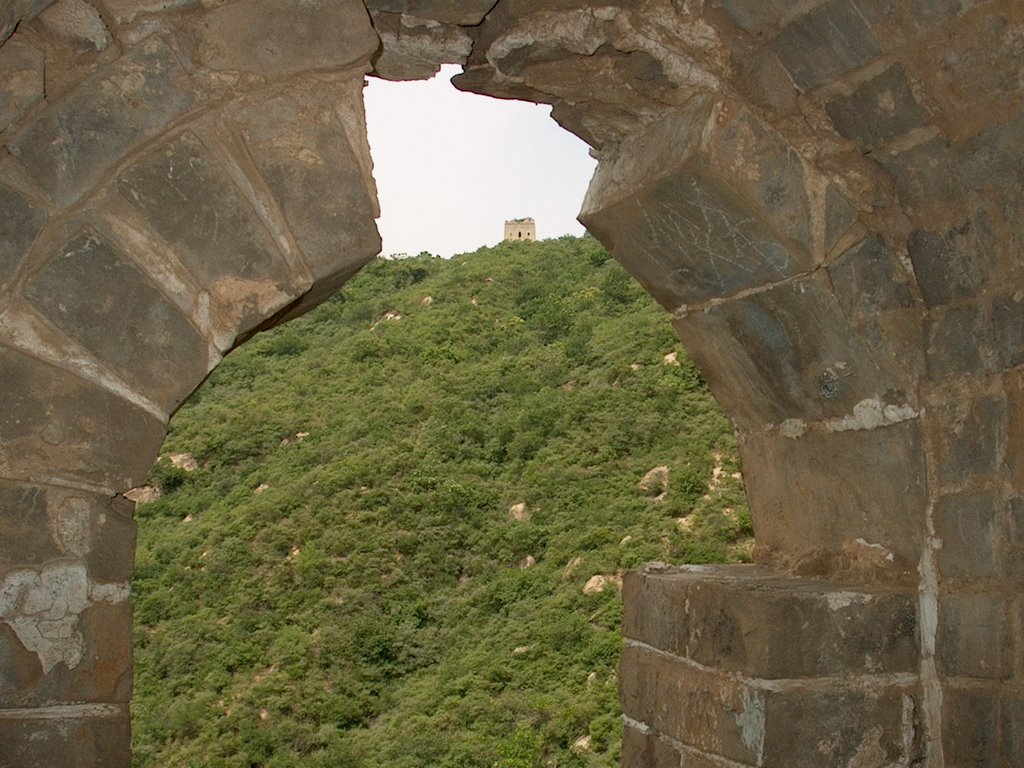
748 620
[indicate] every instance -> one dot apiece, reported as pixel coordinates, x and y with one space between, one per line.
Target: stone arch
825 196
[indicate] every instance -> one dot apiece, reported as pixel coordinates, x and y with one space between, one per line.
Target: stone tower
521 229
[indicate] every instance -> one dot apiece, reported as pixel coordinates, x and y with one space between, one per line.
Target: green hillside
346 580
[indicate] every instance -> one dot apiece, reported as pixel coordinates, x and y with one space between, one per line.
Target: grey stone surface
879 110
972 527
975 638
970 727
21 80
465 12
754 15
54 422
924 174
760 343
826 42
802 503
275 40
21 222
970 432
12 12
77 22
67 742
950 265
869 279
959 340
99 298
317 166
731 618
190 201
75 142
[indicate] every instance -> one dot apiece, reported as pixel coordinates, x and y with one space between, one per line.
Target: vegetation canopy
401 541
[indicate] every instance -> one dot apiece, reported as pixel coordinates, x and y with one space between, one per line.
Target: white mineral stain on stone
751 722
42 607
870 413
792 428
839 600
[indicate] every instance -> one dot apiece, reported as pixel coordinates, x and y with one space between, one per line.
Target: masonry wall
824 195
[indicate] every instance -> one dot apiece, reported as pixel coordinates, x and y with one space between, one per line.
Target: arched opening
823 195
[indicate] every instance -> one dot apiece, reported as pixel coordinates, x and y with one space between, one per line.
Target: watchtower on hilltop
521 229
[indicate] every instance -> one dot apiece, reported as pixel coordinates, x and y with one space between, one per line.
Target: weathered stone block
971 527
728 718
1008 328
69 654
949 266
970 432
462 12
646 750
847 725
824 490
975 636
71 145
1011 718
754 15
992 158
959 341
274 40
47 523
709 202
826 42
14 11
760 343
869 279
188 198
762 624
310 146
19 226
99 298
970 721
721 715
879 110
21 80
86 742
53 421
924 173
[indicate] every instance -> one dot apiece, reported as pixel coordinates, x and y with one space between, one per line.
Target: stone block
272 39
49 523
761 624
754 15
468 13
728 718
1008 329
89 662
970 432
761 343
96 296
701 709
848 725
1011 729
189 200
706 203
924 174
951 265
646 750
879 110
959 340
975 636
52 421
969 70
970 721
76 22
310 146
68 742
971 527
824 490
825 43
21 222
74 143
992 158
14 11
869 279
21 80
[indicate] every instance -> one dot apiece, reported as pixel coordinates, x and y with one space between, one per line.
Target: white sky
452 166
